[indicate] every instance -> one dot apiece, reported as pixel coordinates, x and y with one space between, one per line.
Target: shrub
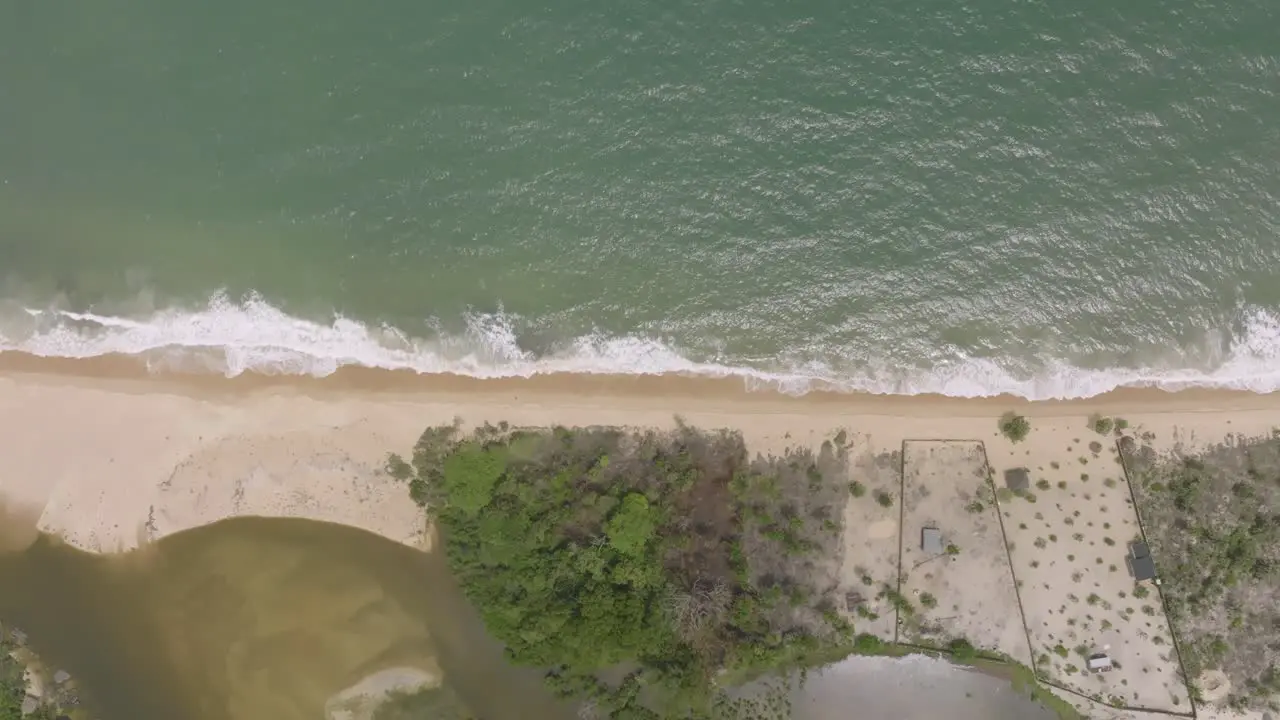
1101 425
867 643
857 489
962 650
927 600
899 602
884 498
397 468
1014 426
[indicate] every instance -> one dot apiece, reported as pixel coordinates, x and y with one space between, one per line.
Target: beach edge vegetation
1015 427
646 572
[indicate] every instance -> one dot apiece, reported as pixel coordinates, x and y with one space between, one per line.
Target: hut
1099 662
1017 479
931 541
1144 568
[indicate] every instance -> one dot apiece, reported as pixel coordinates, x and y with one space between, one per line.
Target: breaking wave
251 335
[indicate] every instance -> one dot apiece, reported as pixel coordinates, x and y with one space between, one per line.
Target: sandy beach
109 457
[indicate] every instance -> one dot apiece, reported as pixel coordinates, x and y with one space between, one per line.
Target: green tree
470 474
578 548
632 525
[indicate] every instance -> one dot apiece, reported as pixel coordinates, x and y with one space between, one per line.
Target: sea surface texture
969 197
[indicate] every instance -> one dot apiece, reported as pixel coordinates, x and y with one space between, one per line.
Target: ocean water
967 197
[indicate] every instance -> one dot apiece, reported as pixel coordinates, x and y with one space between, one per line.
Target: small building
1144 568
1017 479
1099 662
931 541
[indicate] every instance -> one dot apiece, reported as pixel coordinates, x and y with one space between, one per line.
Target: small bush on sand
1014 426
1101 425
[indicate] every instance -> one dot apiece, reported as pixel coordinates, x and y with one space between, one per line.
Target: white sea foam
251 335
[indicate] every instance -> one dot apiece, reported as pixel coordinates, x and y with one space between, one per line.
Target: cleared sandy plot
1068 540
869 561
967 589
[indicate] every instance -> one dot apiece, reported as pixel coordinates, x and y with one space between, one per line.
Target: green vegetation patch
13 685
1100 424
1212 522
1014 426
638 565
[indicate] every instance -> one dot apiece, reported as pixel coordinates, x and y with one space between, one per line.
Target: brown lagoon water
268 618
256 618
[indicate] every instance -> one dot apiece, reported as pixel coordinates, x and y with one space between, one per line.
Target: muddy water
267 619
254 618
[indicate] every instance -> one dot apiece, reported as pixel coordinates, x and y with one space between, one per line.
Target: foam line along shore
251 336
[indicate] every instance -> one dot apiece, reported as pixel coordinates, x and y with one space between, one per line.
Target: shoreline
129 374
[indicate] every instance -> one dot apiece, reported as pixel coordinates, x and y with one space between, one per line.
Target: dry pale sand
109 457
969 583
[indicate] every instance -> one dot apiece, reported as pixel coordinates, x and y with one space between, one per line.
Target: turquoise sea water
967 197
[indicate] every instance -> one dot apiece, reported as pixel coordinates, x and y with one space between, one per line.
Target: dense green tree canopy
634 567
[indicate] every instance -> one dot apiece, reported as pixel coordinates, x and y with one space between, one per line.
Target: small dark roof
1139 549
1017 479
1144 568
